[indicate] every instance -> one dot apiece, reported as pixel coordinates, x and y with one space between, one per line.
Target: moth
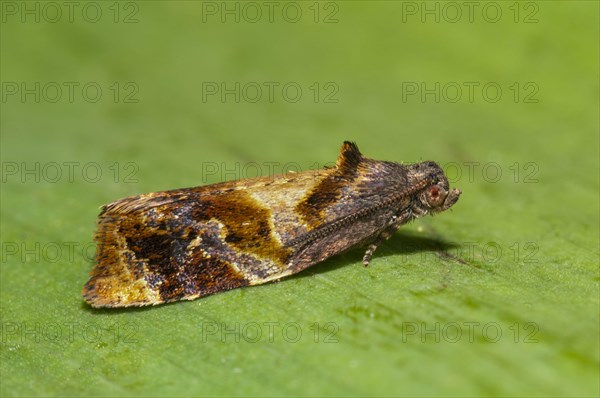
188 243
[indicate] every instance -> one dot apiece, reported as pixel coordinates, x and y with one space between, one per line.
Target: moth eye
436 196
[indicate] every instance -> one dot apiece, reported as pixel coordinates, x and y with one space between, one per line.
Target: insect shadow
401 244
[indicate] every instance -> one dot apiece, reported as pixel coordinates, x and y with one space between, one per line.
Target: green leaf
498 297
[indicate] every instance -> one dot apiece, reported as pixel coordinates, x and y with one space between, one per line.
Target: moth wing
188 243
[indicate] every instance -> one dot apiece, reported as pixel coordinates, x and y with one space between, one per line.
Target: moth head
437 195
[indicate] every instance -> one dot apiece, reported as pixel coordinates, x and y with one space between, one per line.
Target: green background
497 297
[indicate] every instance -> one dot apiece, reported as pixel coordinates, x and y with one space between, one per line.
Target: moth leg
383 236
393 225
